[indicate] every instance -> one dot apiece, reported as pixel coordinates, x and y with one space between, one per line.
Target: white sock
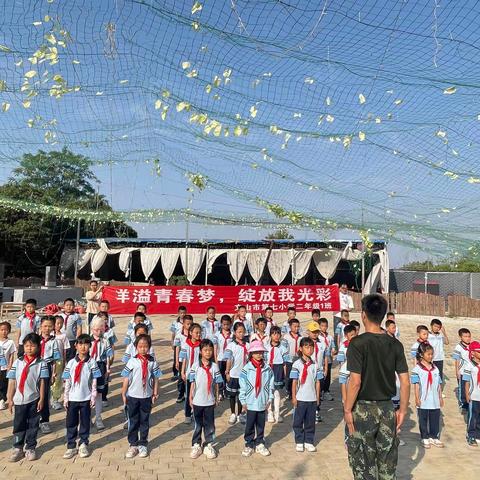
276 402
98 408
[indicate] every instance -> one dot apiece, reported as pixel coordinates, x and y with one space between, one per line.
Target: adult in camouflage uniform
372 423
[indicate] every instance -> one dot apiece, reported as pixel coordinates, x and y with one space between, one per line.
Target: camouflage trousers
373 447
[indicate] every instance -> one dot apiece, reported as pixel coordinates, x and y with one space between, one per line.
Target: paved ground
170 439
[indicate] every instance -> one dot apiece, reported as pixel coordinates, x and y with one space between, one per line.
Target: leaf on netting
5 49
50 37
5 107
58 78
320 119
217 130
227 80
26 103
378 120
47 18
347 141
445 210
75 62
226 132
165 94
183 106
454 152
329 118
389 116
398 101
216 96
254 165
158 104
3 85
30 122
237 131
30 74
164 112
441 133
19 63
253 111
297 115
328 101
217 81
123 82
361 136
185 65
256 82
452 175
197 7
227 73
450 90
473 180
299 138
208 88
195 26
192 74
361 98
309 80
390 91
36 24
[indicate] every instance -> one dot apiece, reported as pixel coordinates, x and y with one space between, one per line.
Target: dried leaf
185 65
3 48
5 107
450 90
309 80
36 24
237 131
197 7
361 98
398 101
328 101
253 111
26 103
330 118
158 104
227 73
75 62
361 136
30 74
123 82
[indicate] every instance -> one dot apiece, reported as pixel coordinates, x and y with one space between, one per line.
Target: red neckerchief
269 321
245 355
209 377
31 317
430 375
346 343
325 337
303 378
316 349
225 340
192 346
464 345
258 375
78 370
42 346
344 322
23 377
94 348
426 342
272 353
296 341
144 362
213 324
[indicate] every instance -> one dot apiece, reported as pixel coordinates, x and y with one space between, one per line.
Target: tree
29 242
463 264
280 234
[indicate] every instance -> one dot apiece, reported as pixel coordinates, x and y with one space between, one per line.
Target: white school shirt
306 392
63 343
110 323
270 324
209 329
201 396
246 323
396 398
414 348
265 339
436 341
285 327
51 351
328 343
462 355
429 394
131 351
133 371
7 349
238 357
340 331
23 323
221 342
293 345
343 373
319 353
38 369
104 350
71 322
342 353
189 356
179 339
471 373
346 303
280 354
82 390
176 327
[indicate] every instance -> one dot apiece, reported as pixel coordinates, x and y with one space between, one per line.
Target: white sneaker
56 405
99 424
299 447
271 417
233 419
426 443
401 443
30 455
131 452
278 418
3 405
70 453
310 448
242 418
125 425
83 451
196 451
142 451
436 443
247 452
210 452
328 396
45 428
16 455
262 450
187 421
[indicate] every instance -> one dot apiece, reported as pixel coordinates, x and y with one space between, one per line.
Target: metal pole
206 266
363 268
130 263
77 253
293 266
426 281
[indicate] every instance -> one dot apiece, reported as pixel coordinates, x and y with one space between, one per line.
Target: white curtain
97 260
350 254
301 264
372 280
278 264
84 257
103 246
169 259
326 260
124 260
384 270
195 260
213 254
237 260
66 260
149 258
256 262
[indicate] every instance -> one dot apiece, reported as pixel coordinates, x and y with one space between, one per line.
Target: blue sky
361 93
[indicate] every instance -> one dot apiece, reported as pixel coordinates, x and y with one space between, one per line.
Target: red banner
166 300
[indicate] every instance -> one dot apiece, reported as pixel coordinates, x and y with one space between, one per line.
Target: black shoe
180 399
472 442
174 378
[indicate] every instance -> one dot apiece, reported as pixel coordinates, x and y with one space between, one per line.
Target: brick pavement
170 438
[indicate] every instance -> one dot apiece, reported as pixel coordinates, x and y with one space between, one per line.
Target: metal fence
436 283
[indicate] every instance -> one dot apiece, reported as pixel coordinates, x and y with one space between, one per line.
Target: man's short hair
374 306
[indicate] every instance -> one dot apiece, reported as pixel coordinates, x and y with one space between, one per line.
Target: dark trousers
255 423
373 447
174 368
25 425
105 389
71 352
222 366
138 420
288 367
3 384
429 423
462 395
204 421
180 382
20 351
78 423
439 365
336 321
304 422
45 411
188 408
327 380
474 419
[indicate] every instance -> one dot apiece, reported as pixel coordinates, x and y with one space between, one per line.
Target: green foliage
464 264
280 234
28 242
